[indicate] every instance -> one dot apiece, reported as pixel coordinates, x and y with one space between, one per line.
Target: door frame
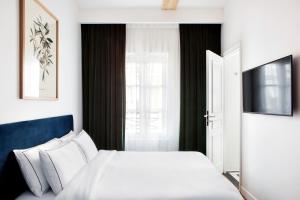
234 48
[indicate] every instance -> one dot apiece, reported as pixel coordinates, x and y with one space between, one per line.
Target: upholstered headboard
23 135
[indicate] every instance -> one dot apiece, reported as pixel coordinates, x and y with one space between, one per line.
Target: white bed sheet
29 196
115 175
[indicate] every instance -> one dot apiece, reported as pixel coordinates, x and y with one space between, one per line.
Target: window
150 55
145 99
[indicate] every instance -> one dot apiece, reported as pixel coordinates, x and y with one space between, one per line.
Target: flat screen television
267 89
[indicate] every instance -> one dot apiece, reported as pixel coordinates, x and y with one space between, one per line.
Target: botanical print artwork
41 43
39 51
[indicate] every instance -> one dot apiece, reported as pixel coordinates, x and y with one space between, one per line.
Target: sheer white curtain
152 87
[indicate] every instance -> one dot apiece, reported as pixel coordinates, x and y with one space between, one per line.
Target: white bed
113 175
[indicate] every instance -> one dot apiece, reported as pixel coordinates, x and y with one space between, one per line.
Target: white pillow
60 165
68 137
29 162
87 145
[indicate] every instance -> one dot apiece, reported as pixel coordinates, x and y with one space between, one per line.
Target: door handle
208 117
206 114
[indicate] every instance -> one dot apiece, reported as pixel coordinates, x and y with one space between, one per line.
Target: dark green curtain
103 74
195 39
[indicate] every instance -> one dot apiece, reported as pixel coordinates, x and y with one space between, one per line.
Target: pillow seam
55 170
33 170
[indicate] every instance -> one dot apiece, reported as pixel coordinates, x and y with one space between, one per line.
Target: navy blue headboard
21 135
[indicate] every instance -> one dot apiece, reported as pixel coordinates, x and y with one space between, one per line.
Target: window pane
156 73
131 74
156 99
155 123
145 95
132 98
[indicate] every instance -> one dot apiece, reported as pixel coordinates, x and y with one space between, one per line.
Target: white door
214 107
232 110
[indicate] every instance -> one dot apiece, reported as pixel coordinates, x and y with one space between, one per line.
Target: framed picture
38 51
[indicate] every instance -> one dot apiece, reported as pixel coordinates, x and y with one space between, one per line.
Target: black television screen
267 89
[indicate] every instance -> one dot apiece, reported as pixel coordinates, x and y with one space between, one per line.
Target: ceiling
148 3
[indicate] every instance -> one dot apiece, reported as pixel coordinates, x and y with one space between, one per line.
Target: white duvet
113 175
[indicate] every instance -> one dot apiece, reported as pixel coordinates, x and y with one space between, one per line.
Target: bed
116 175
149 175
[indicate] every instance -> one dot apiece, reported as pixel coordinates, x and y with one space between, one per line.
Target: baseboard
247 195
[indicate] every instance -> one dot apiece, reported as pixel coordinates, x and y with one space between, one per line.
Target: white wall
151 15
268 30
11 107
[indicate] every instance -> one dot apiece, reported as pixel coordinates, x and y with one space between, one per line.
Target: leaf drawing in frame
41 42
